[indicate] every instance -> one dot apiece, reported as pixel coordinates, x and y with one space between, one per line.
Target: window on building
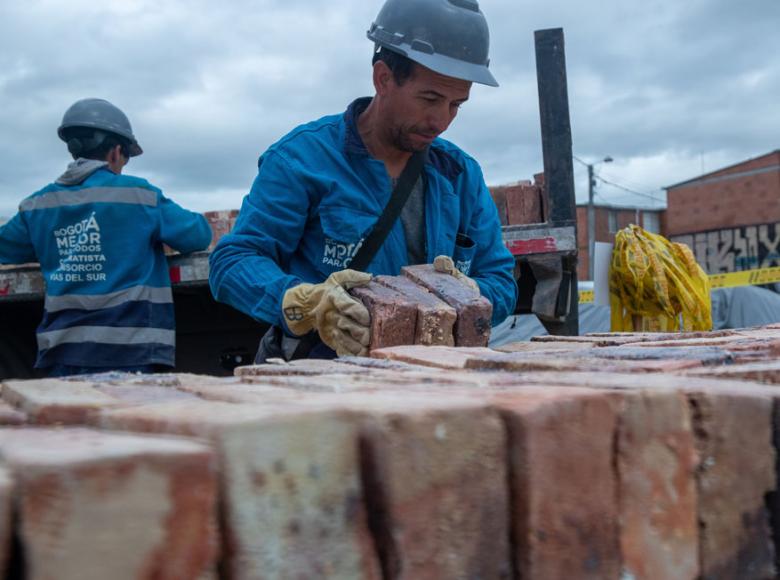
651 222
612 221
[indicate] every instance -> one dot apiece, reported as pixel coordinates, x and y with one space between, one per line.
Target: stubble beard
402 141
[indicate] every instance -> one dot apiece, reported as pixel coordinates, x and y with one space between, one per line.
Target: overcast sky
668 88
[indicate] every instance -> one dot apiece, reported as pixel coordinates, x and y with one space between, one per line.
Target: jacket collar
353 142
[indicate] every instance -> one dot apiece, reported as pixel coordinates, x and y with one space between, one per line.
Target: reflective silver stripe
106 335
98 301
134 195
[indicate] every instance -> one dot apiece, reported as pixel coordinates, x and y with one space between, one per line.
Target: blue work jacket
318 193
99 242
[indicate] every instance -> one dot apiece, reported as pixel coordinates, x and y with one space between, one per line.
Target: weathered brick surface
523 204
393 316
655 461
578 361
707 355
472 327
50 401
241 393
499 199
762 372
546 347
564 494
435 318
735 473
610 339
221 223
296 367
290 481
381 364
436 485
520 203
10 416
6 522
332 383
657 336
143 394
432 356
96 505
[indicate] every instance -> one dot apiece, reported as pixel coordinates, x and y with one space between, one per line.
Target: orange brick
564 489
102 505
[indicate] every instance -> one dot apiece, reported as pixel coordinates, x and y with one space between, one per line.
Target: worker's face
421 108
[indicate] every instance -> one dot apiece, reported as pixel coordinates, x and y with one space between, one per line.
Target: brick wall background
747 193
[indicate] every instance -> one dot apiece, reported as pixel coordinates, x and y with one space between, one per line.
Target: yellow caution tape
745 278
725 280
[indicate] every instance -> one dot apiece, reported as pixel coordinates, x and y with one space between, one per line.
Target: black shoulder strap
384 224
376 238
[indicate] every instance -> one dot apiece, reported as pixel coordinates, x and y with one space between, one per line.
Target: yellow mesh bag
656 285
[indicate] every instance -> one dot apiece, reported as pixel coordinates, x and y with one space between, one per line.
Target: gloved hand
445 265
341 321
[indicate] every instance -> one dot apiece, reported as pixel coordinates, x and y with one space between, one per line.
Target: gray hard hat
449 37
101 115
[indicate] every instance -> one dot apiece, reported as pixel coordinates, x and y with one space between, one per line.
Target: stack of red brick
425 307
607 456
521 203
221 223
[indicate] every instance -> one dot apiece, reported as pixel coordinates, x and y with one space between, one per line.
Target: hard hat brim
448 66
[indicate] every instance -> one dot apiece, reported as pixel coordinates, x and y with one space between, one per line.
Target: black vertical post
557 154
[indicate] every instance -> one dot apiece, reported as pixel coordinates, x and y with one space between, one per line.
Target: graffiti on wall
735 249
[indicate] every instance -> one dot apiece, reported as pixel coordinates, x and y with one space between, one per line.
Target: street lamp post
592 215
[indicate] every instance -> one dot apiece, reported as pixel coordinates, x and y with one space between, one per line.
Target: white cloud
659 85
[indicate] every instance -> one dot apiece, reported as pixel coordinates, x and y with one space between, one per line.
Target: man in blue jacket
98 236
322 187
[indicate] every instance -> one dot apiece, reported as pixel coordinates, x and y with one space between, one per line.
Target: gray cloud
667 88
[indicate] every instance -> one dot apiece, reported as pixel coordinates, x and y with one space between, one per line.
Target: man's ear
114 154
383 77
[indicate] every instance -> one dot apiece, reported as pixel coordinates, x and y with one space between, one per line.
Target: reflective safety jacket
319 192
99 237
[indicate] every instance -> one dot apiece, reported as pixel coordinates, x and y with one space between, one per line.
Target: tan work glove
341 321
445 265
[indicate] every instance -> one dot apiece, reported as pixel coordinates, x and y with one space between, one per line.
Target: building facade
730 218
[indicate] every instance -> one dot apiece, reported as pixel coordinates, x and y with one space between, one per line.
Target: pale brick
564 494
762 372
399 382
546 347
381 364
578 361
6 519
707 355
432 356
290 484
296 367
51 401
97 505
10 416
144 394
